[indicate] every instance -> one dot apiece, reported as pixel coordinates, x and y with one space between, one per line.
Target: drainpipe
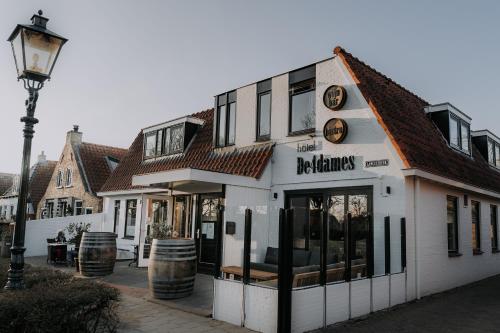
416 192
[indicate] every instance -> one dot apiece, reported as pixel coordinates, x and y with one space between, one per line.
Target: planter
172 268
97 253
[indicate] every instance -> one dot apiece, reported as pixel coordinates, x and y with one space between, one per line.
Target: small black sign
377 163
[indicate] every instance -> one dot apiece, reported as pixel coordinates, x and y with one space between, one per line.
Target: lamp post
35 53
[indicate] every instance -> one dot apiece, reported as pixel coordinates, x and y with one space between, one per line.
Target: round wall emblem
334 97
335 130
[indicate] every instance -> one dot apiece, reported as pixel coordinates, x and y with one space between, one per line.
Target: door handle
198 233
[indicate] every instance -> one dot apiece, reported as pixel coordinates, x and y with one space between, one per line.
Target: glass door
206 231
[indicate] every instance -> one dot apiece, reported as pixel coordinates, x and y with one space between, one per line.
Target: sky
130 64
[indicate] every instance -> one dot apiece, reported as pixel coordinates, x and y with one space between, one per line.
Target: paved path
140 316
470 309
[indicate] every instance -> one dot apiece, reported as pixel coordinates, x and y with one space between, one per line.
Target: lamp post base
15 280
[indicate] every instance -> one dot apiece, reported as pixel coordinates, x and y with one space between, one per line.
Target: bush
57 302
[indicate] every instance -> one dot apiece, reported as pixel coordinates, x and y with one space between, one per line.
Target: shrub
54 301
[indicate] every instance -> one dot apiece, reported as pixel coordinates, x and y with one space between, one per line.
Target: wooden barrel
172 268
97 253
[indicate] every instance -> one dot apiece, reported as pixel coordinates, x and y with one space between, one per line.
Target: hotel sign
335 130
322 164
334 97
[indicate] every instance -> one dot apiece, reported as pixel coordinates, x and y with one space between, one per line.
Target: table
57 253
237 273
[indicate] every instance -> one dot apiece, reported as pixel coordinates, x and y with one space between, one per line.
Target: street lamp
35 53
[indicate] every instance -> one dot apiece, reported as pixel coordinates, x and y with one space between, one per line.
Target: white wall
37 231
437 271
237 200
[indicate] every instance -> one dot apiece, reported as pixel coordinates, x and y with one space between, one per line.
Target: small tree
162 231
75 232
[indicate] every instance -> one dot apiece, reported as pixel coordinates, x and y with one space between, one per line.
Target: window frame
116 215
460 123
293 93
127 203
69 177
453 251
163 147
476 248
263 88
76 208
225 100
59 178
494 228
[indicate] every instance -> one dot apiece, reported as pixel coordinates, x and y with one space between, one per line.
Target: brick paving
469 309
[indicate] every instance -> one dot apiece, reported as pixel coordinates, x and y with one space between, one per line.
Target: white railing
37 231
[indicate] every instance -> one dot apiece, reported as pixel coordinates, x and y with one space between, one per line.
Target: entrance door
206 224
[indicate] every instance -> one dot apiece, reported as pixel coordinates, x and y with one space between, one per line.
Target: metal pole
15 279
246 246
285 277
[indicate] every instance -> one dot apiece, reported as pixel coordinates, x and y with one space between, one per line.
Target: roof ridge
101 145
339 49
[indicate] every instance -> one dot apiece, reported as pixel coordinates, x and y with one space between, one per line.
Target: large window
452 224
494 227
225 127
165 141
302 117
348 229
476 227
130 218
116 217
264 110
459 134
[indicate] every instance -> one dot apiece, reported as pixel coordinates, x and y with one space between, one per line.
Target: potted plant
75 233
172 264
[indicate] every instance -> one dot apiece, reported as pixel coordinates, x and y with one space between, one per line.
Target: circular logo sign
335 97
335 130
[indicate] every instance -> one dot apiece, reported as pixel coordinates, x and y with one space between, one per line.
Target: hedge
55 302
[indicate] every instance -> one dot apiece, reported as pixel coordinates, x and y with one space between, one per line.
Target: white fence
37 231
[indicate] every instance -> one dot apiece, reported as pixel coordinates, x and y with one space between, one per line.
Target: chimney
74 137
42 159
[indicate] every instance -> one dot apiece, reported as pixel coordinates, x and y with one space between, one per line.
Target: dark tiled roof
417 140
95 165
248 161
40 178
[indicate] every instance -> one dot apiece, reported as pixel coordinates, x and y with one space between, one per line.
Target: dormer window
488 145
454 124
170 138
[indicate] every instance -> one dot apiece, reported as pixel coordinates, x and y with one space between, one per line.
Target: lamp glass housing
35 53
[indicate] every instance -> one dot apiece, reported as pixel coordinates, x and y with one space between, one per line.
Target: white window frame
59 179
69 177
82 209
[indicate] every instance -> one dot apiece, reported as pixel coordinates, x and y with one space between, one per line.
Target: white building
406 193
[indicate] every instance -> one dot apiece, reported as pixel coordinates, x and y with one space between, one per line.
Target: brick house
81 170
40 175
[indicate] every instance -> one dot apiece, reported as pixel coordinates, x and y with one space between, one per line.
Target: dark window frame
116 216
494 227
345 191
476 248
225 100
292 93
128 202
460 123
263 88
164 149
453 251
